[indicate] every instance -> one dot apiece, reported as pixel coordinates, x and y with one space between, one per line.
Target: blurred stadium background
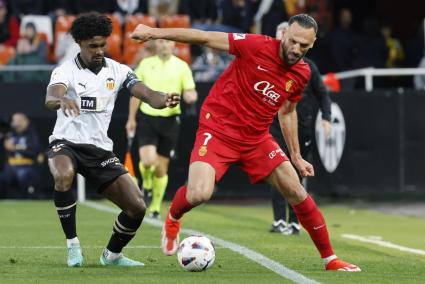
371 55
368 51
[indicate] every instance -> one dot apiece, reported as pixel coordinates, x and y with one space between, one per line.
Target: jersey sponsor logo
110 84
88 103
331 148
238 36
113 160
288 85
266 89
273 153
261 68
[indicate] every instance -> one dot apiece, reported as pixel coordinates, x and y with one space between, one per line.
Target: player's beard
96 63
293 61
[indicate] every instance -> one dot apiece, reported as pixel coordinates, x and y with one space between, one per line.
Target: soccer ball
196 253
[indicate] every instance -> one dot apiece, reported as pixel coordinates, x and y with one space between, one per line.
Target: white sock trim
329 259
72 241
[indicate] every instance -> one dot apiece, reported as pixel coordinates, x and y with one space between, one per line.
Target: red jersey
245 98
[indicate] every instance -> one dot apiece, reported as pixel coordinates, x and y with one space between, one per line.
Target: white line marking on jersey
272 265
379 242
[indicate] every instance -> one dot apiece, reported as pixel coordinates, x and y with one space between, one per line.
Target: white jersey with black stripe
95 94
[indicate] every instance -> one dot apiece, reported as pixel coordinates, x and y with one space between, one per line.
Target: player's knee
198 193
138 209
147 162
63 179
295 193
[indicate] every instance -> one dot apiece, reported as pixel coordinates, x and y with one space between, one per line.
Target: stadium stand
43 24
178 21
130 47
62 26
115 40
6 54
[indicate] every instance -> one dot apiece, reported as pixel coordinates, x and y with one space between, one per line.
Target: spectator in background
22 149
344 43
66 48
31 49
59 7
210 64
375 52
269 15
158 8
395 49
101 6
9 27
20 8
344 47
125 8
419 80
415 48
202 13
231 16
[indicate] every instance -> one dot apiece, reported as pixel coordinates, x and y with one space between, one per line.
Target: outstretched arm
289 124
153 98
217 40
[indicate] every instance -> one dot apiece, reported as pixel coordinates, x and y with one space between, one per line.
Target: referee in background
158 129
285 221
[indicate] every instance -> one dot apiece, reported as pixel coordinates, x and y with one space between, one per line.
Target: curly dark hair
89 25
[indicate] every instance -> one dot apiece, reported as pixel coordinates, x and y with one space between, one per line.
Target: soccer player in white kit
83 91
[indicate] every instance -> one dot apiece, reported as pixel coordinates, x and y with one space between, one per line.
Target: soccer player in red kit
266 77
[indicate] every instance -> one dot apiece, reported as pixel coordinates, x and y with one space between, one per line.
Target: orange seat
132 47
178 21
115 40
174 21
6 54
182 51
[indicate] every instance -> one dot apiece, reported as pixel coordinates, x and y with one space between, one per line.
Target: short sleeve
245 44
296 96
187 78
128 77
299 89
60 76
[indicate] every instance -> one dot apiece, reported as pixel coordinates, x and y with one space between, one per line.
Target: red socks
180 205
312 220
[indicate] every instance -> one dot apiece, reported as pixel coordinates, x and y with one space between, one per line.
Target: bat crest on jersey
110 84
266 88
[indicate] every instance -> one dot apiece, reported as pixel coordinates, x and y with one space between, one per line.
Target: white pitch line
383 243
248 253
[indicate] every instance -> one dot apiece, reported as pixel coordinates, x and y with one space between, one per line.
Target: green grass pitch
32 247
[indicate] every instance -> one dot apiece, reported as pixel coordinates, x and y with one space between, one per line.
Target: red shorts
257 160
